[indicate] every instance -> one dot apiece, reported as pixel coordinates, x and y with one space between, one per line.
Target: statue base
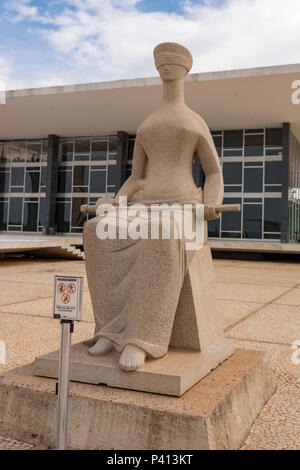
174 374
217 413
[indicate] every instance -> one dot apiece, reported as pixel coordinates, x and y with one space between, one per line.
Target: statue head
172 60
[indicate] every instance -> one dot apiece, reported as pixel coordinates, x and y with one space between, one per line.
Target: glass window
32 183
231 221
66 151
214 228
112 145
233 189
30 216
81 175
112 174
4 153
64 180
4 180
99 150
232 172
230 235
274 137
254 145
252 224
18 151
15 211
253 180
63 217
78 219
17 176
82 149
233 139
44 154
43 176
273 173
33 153
42 211
131 143
98 182
3 215
272 215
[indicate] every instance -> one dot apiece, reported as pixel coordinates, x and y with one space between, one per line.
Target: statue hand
210 213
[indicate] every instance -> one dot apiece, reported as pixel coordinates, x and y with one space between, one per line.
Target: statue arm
213 191
135 182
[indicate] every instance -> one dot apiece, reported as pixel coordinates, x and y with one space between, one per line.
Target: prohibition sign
65 298
71 288
61 287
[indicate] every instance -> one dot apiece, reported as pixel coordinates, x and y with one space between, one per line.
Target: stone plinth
217 413
171 375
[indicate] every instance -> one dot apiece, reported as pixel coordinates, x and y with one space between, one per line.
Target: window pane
112 174
30 216
272 215
231 221
15 211
3 215
252 221
66 151
232 172
98 182
64 181
273 173
82 149
63 217
42 211
81 175
44 155
4 153
233 139
33 153
274 137
32 184
112 146
230 235
78 219
99 150
254 145
17 177
253 180
43 175
4 181
214 228
17 151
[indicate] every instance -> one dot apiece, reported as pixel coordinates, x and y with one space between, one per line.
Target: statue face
169 72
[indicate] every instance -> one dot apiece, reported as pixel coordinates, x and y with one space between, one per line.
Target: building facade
44 180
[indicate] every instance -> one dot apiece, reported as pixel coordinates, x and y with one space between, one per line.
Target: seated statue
135 285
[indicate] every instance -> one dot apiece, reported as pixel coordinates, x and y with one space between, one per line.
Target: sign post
67 308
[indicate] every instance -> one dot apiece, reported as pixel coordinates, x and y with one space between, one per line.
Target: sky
47 43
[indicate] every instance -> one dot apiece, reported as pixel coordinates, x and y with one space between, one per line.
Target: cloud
95 40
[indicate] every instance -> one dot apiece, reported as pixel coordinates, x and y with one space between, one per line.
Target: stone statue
149 294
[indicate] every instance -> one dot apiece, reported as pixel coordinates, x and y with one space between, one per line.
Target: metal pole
63 384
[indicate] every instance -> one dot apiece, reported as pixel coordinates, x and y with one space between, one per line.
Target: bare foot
103 346
132 358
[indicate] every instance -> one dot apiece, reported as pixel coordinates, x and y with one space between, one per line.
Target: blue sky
44 43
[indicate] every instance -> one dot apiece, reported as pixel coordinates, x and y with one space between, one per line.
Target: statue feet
103 346
132 358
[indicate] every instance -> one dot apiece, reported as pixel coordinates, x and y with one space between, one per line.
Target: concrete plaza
259 303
